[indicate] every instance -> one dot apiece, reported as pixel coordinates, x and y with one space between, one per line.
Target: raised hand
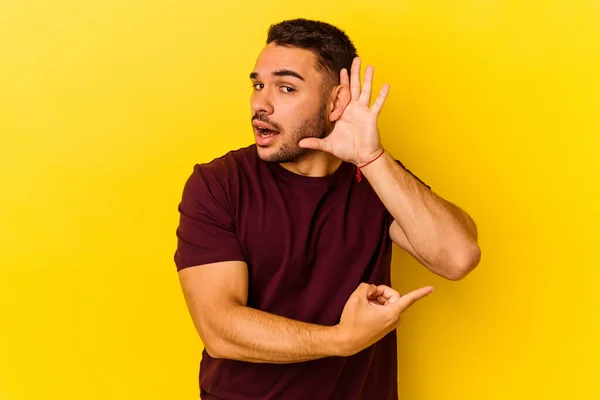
355 137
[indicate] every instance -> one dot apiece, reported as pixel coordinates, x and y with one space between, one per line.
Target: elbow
212 351
215 348
214 345
463 262
212 335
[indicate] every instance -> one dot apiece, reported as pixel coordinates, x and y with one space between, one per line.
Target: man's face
287 102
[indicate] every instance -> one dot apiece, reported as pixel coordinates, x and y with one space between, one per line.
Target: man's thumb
312 143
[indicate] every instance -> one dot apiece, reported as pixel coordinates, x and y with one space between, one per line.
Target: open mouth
264 132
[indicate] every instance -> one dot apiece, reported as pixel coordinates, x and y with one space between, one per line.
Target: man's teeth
266 132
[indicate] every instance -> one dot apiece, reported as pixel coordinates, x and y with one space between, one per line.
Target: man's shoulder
228 165
218 180
242 155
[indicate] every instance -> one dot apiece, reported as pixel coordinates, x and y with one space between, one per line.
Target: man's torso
308 242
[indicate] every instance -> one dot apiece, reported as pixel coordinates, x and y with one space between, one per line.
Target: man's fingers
380 101
365 94
364 289
384 294
344 77
388 293
373 292
355 79
370 293
377 297
410 298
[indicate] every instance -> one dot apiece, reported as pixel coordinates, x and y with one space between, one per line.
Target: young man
284 247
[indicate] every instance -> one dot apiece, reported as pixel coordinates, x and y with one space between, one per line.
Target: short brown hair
332 47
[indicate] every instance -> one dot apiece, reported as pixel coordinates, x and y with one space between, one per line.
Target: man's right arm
216 295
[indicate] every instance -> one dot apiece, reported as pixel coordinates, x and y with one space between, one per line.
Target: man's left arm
437 233
440 235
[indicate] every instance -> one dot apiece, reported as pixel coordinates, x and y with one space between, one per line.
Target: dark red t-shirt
308 243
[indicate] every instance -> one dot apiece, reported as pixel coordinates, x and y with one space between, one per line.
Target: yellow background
105 106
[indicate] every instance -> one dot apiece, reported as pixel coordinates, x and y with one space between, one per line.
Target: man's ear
340 98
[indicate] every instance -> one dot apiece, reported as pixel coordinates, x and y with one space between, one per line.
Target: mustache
265 119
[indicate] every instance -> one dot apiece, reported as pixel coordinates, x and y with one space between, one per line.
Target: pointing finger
410 298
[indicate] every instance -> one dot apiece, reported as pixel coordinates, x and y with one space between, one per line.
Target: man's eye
287 89
258 86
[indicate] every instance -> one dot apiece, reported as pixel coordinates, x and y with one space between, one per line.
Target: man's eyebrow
280 72
288 72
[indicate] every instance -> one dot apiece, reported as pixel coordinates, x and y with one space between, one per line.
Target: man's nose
261 103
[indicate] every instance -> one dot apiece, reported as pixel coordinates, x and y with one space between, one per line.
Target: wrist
373 159
340 343
369 157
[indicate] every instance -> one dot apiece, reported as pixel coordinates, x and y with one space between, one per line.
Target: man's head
296 86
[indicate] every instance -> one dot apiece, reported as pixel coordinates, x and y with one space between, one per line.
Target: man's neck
314 164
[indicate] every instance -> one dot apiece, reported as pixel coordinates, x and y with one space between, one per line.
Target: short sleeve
206 232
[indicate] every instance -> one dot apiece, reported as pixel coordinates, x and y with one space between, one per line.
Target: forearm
246 334
438 231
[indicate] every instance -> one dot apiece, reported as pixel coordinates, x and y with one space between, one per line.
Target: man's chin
276 154
267 153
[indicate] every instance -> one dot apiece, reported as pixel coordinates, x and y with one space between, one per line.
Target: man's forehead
273 58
